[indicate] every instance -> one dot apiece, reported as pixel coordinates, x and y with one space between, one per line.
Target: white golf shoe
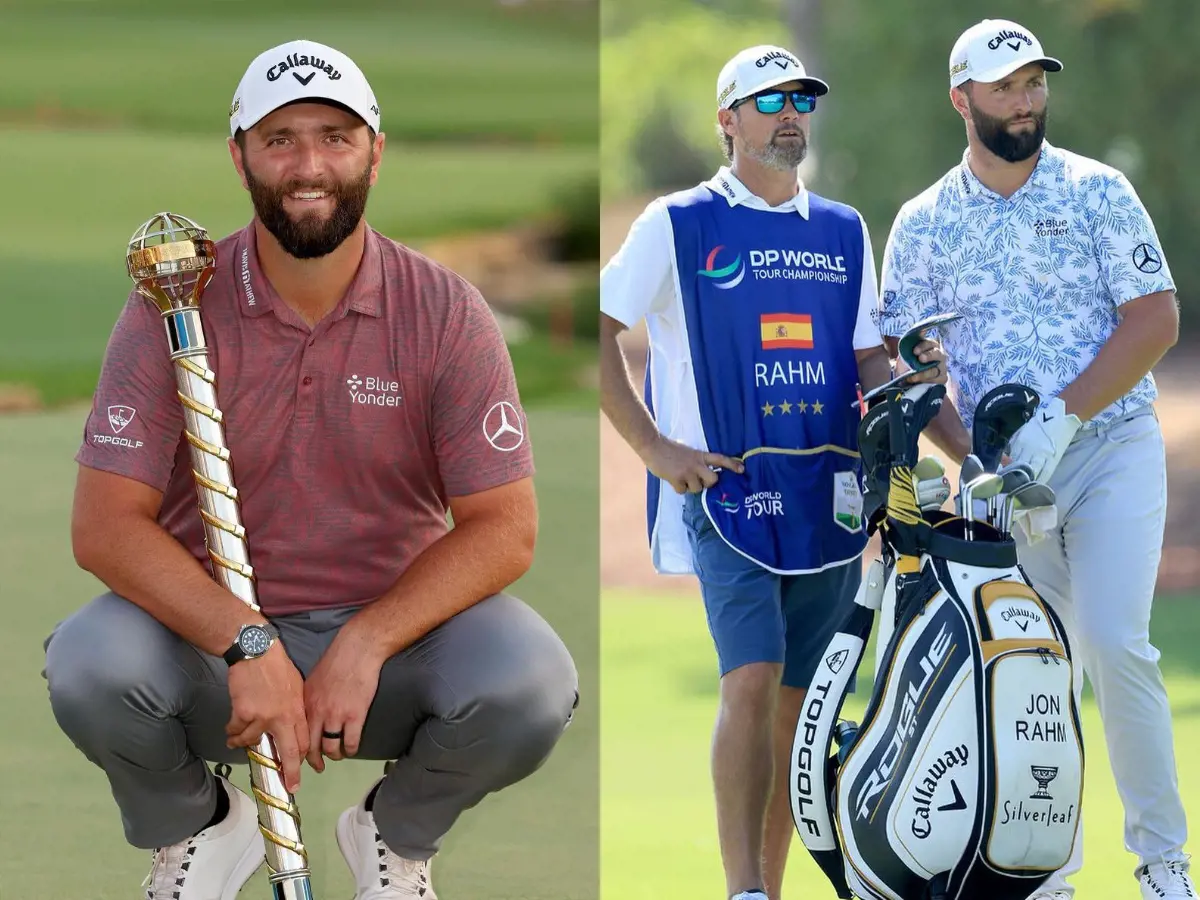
217 862
1167 880
379 874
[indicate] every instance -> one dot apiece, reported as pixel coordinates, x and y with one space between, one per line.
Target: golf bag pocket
1033 805
1034 730
1012 610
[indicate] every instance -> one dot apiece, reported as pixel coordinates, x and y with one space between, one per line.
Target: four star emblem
785 408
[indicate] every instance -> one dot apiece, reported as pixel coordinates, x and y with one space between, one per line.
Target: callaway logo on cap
758 68
994 49
301 70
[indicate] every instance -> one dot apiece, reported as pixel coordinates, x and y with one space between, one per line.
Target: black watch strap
237 650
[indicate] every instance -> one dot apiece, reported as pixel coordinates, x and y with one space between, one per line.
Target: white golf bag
964 779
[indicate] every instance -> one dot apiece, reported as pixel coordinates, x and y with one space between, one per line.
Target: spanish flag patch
786 331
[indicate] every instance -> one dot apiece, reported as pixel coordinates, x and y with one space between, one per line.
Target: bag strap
813 770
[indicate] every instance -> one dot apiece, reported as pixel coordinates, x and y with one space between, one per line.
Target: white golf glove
1041 442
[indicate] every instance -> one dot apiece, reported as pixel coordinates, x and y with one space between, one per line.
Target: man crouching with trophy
284 417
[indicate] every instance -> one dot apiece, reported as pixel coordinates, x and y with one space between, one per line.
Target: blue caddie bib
770 302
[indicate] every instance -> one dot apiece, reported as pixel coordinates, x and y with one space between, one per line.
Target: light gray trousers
1098 570
476 705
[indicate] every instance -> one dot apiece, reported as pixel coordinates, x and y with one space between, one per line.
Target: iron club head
1033 496
987 485
971 469
1015 478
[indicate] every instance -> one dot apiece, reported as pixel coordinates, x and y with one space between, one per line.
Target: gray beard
783 157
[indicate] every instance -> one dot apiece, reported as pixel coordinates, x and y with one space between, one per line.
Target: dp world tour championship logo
734 272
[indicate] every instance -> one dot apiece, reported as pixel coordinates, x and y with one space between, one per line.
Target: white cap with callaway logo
297 71
758 68
994 49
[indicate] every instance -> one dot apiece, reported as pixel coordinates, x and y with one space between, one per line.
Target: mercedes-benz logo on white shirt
502 427
1146 258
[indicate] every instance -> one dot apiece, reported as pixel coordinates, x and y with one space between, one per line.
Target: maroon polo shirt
347 438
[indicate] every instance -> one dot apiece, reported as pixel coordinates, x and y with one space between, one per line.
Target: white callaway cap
296 71
758 68
994 49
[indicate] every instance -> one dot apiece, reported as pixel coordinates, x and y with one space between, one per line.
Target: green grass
114 111
658 834
62 262
469 70
58 825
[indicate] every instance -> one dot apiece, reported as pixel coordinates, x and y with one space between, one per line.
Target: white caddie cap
301 70
994 49
758 68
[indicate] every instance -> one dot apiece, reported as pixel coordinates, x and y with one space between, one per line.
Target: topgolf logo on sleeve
119 417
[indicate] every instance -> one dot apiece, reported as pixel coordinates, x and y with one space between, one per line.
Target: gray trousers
1098 570
476 705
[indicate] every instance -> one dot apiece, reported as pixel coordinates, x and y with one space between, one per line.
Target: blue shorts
757 616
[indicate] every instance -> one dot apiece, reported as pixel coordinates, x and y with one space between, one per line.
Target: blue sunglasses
772 102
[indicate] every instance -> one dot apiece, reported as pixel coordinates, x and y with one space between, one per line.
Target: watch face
255 641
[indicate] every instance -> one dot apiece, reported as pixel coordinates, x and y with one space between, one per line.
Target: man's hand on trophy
267 695
338 694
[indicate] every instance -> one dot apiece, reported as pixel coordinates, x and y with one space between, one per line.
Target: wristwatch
252 641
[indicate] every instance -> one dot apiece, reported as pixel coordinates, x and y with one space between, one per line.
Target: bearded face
336 209
1014 135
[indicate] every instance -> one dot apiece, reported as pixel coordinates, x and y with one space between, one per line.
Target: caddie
758 297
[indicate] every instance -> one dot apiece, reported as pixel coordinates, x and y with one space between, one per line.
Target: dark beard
994 135
311 237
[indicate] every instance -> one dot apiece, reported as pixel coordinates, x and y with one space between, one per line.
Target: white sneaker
379 874
1167 880
1052 895
749 895
214 864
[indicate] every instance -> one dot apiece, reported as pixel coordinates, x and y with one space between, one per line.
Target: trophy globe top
171 259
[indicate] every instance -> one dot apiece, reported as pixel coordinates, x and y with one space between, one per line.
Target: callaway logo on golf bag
965 777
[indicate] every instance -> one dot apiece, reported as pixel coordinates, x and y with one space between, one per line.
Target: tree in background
1127 96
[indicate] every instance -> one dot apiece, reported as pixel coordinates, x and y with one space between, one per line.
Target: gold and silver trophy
171 260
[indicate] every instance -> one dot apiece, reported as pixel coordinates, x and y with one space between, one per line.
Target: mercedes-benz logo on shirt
502 427
1146 258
